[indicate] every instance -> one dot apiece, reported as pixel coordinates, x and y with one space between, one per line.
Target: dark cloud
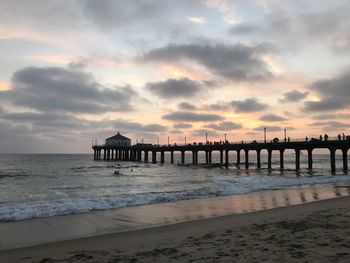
113 14
244 28
176 132
326 104
334 94
182 126
67 90
248 105
192 117
268 128
219 106
62 132
272 118
186 106
47 119
174 88
225 126
235 62
331 116
294 96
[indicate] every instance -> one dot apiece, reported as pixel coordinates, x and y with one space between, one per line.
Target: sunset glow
179 69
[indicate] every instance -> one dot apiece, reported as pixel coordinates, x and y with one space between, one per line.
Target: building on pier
118 140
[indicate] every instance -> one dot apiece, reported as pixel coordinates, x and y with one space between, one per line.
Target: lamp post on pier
168 141
265 134
285 135
206 138
225 138
185 140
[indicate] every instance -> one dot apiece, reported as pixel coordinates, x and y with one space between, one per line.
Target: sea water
44 185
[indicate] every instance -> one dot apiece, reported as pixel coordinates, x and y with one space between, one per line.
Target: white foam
227 185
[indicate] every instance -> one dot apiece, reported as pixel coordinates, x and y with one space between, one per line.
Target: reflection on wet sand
212 207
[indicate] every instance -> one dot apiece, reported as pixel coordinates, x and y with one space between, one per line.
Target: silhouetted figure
288 139
131 170
339 137
326 137
343 136
306 138
320 137
116 172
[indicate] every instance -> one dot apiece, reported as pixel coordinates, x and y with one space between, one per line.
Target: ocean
45 185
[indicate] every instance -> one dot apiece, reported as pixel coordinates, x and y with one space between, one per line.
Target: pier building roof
118 136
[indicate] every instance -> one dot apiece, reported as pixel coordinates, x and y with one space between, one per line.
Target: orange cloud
53 59
4 86
177 72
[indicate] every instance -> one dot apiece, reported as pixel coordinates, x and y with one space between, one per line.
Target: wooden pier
136 152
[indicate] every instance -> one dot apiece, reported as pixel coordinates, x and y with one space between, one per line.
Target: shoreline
52 229
176 240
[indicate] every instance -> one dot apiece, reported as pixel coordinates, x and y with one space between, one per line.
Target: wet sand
312 232
46 230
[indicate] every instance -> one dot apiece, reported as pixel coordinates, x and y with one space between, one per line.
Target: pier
141 152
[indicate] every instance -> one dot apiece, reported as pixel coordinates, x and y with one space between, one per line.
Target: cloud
65 90
328 25
225 126
128 126
331 125
182 126
196 20
47 119
244 28
235 62
192 117
201 134
272 118
331 116
334 94
174 88
186 106
113 14
175 132
268 128
294 96
248 105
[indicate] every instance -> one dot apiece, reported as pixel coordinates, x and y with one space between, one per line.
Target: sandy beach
312 232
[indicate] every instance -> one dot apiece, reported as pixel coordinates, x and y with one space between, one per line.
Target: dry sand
313 232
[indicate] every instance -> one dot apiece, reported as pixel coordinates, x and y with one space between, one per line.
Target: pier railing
138 152
274 140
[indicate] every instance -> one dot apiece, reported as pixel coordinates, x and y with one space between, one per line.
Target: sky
76 72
